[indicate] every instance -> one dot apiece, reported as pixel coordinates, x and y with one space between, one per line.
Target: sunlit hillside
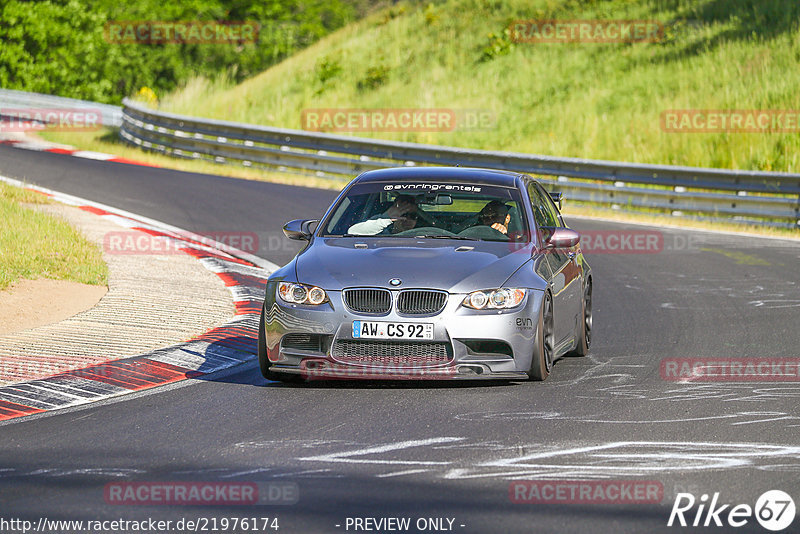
584 99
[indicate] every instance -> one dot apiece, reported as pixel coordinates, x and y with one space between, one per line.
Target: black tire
542 361
263 360
584 333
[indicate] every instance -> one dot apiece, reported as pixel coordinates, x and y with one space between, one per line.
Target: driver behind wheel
402 215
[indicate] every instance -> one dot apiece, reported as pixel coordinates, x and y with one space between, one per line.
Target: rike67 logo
774 510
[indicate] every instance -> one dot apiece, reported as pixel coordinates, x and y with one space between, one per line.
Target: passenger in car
496 215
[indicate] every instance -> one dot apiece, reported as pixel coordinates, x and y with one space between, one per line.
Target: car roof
441 174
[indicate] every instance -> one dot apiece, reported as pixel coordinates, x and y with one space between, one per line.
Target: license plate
388 330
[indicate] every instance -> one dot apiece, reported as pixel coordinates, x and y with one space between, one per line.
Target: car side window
550 206
544 216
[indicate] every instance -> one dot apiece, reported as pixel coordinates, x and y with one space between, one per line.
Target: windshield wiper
462 238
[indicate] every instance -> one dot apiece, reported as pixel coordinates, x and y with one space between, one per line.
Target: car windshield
429 210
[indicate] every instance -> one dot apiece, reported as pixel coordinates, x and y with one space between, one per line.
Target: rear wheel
263 360
542 361
584 334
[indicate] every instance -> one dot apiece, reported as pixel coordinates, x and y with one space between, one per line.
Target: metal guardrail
769 197
711 192
21 100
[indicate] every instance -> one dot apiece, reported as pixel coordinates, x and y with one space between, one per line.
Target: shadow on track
251 376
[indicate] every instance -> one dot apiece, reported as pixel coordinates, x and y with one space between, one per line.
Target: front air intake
391 353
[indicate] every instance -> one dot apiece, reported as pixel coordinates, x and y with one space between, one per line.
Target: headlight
301 293
495 299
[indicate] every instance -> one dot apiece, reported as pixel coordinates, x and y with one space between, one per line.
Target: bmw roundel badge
395 282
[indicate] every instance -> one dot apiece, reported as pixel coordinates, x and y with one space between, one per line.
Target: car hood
336 263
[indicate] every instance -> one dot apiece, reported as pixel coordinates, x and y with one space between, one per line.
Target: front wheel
542 361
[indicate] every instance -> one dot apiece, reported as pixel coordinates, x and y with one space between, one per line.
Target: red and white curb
220 348
43 146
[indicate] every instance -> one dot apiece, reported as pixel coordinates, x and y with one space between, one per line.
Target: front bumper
487 344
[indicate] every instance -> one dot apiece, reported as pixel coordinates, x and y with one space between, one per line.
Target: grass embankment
592 100
37 245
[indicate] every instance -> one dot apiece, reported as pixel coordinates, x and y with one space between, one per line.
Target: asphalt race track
441 450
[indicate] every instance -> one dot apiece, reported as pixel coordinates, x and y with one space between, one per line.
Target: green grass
37 245
601 101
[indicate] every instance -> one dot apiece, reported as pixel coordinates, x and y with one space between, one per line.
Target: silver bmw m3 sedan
429 273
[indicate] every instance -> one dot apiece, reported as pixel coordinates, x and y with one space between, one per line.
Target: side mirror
562 238
557 197
299 229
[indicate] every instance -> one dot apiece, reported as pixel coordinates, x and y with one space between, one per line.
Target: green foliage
499 44
375 77
431 15
147 96
392 13
327 69
59 46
